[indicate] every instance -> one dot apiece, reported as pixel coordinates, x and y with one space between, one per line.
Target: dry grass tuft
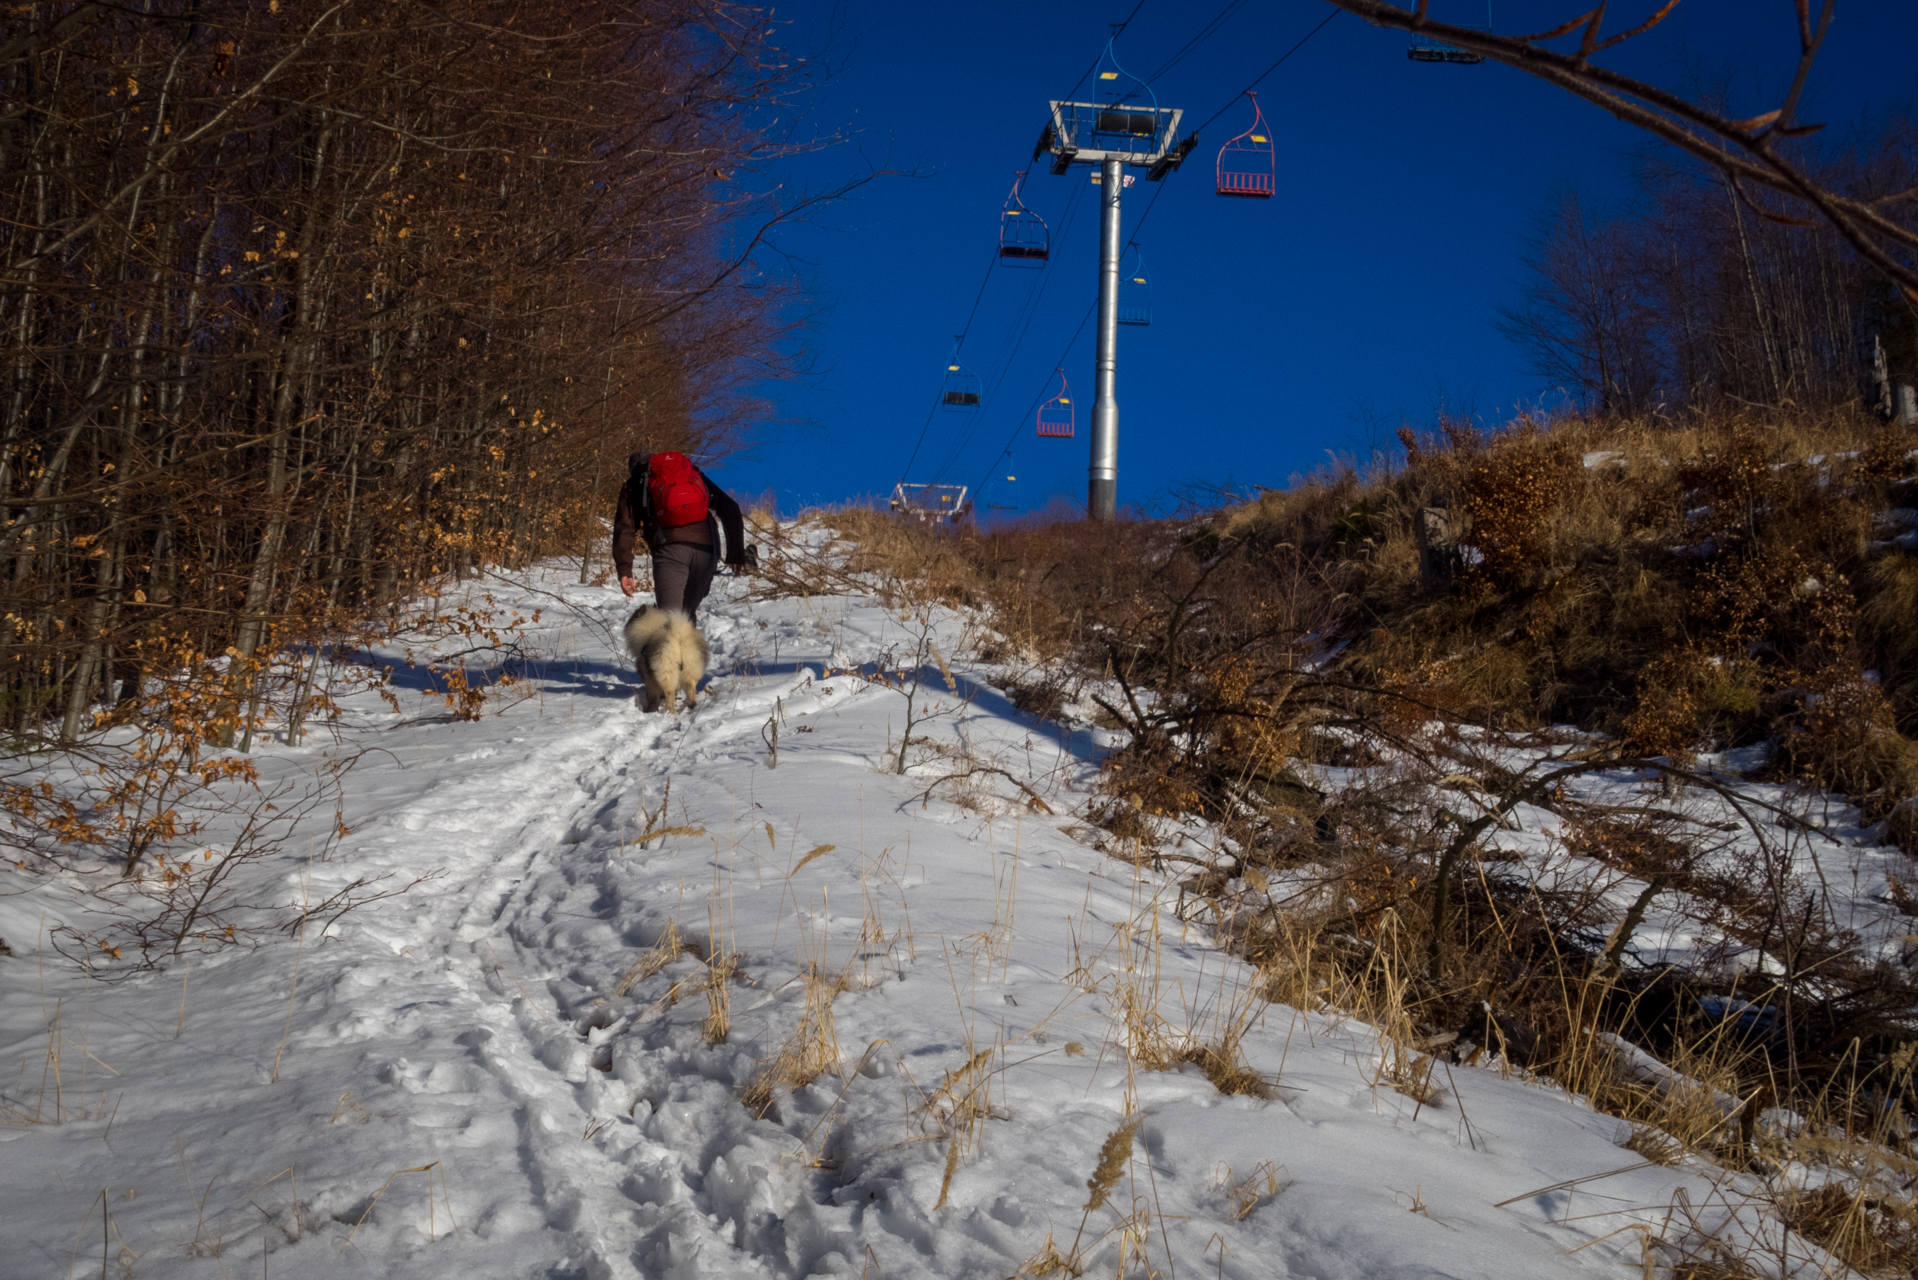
671 945
960 1107
811 1050
1225 1066
719 1004
818 851
1046 1262
1258 1187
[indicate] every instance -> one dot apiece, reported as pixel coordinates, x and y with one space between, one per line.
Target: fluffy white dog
670 653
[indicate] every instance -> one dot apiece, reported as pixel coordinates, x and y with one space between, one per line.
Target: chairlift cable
1206 32
1268 71
964 330
1028 311
1084 320
1029 308
1117 31
1022 322
1036 400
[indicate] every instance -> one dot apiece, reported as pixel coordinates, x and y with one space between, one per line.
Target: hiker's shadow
571 677
1080 744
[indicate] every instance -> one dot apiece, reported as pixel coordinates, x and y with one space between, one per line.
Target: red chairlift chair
1246 164
1055 415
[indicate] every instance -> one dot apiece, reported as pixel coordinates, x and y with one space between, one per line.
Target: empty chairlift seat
1024 240
1246 164
961 389
1055 415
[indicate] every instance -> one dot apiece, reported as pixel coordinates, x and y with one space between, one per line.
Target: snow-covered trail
974 961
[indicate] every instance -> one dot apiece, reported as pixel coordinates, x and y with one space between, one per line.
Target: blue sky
1365 293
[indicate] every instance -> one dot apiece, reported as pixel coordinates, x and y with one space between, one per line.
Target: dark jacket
634 516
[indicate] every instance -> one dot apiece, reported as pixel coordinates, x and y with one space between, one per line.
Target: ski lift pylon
1426 49
1135 291
1056 415
1246 164
960 392
1024 240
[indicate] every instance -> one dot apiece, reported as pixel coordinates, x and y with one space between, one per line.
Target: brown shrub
1887 608
1511 496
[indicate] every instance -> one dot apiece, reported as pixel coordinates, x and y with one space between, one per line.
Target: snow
454 1081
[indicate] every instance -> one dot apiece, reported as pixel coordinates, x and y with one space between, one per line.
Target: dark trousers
682 575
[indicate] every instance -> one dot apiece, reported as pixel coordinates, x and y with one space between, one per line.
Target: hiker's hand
628 586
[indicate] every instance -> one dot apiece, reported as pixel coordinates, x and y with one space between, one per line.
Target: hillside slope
681 1002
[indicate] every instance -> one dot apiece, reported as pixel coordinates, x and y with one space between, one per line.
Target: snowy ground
502 1073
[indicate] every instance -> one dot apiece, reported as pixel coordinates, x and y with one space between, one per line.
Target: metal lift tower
1114 136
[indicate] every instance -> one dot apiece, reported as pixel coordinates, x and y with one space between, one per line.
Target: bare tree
1684 300
304 305
298 304
1585 322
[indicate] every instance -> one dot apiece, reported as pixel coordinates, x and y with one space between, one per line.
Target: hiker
680 513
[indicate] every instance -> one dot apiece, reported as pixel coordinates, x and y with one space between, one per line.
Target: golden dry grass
811 1049
671 945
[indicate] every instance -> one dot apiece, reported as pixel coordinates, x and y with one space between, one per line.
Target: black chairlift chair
962 388
1426 49
1135 292
1024 240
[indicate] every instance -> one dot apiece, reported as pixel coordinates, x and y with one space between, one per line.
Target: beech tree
305 302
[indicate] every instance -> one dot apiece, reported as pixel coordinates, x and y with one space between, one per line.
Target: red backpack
676 489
